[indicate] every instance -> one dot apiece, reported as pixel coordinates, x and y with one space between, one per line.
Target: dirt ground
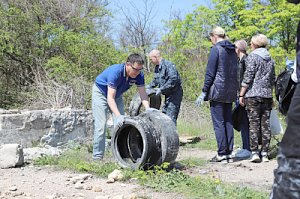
30 182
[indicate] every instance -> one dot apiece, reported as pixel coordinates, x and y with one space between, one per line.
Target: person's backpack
284 90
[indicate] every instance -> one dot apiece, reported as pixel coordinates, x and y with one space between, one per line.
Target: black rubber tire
136 102
145 140
135 144
168 136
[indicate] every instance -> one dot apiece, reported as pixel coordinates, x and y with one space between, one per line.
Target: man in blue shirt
107 96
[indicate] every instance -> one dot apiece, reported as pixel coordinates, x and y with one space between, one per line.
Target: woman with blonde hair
256 94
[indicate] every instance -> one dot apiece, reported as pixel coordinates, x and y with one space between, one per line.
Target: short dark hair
135 58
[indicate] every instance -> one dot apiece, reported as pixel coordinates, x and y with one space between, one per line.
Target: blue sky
162 8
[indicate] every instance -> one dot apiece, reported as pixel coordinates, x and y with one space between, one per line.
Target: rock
80 178
133 196
88 187
114 176
13 188
97 189
11 155
78 186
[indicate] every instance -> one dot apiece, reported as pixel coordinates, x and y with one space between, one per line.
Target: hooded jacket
221 82
259 77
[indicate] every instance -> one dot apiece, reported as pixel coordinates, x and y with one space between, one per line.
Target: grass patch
79 159
195 121
193 162
192 187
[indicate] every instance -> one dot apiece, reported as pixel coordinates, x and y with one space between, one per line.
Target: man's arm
173 78
111 100
144 96
211 69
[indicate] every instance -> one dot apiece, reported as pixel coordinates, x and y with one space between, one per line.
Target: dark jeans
287 175
245 130
222 122
244 125
172 104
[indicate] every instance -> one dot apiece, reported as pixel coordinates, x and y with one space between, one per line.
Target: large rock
48 127
11 155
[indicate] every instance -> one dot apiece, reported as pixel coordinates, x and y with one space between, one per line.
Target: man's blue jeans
100 114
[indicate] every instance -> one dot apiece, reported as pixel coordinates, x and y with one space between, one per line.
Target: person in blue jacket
168 82
107 96
220 89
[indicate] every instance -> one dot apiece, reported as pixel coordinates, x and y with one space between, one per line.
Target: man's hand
200 99
119 120
158 91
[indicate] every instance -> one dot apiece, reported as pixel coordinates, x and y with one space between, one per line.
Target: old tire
136 103
134 144
145 140
168 136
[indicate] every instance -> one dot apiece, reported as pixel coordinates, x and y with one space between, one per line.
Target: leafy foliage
51 50
47 44
186 44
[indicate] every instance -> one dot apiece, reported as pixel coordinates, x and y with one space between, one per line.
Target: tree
187 45
137 31
52 44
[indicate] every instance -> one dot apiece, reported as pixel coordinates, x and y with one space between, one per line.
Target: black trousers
287 175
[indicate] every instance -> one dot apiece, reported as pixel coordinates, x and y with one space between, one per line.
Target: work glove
148 110
200 99
158 92
119 120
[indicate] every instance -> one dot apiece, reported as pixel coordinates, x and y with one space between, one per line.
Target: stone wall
45 127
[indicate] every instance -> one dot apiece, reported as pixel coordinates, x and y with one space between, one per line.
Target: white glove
119 120
158 92
200 99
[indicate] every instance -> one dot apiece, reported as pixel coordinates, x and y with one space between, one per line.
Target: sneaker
229 158
255 157
98 158
243 154
219 158
264 157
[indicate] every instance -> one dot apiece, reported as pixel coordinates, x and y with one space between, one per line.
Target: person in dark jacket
244 152
168 82
220 88
287 179
256 94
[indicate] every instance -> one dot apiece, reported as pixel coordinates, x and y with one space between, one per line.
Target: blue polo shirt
115 77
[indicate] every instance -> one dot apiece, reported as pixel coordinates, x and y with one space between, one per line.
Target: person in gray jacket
256 94
168 82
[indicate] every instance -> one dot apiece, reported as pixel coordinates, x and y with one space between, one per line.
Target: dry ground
38 183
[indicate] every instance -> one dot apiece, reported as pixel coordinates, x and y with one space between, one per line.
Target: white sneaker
219 158
255 157
229 158
264 157
243 154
